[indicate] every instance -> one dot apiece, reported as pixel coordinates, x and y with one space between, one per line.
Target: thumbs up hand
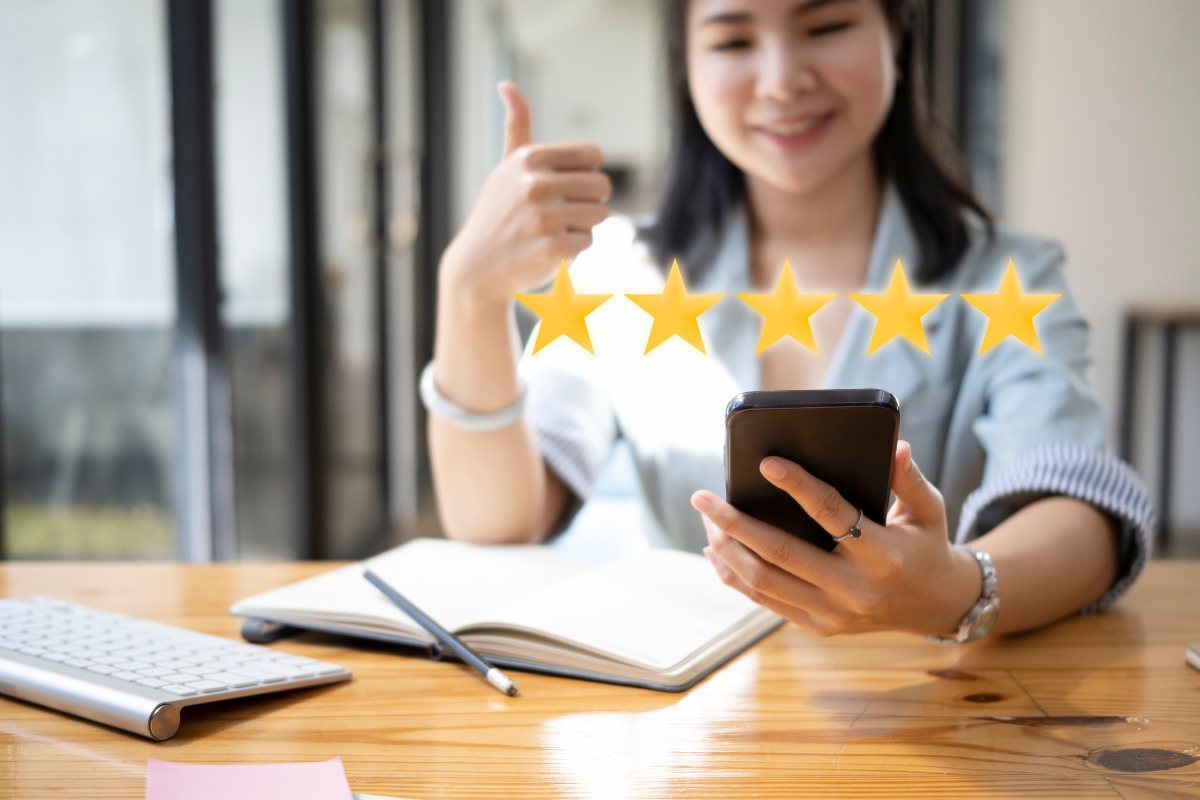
537 207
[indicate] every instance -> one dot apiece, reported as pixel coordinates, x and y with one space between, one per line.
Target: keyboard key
127 652
263 675
50 655
174 688
231 679
286 670
199 671
102 669
32 651
134 666
9 644
153 683
204 659
172 664
108 660
89 641
299 661
81 663
326 669
251 649
143 653
125 675
208 686
154 672
176 677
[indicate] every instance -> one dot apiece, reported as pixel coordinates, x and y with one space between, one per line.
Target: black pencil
494 676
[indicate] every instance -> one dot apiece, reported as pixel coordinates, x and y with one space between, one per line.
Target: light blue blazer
993 432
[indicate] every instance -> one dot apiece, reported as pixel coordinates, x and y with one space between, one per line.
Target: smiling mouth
794 132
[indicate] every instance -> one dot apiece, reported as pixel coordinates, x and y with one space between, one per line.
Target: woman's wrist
475 346
957 589
469 289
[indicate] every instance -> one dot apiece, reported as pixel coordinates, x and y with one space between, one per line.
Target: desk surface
1093 707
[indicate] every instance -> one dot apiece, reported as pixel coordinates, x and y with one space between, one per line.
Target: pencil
494 676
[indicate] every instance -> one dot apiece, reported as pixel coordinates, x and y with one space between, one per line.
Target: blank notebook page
457 583
453 582
653 608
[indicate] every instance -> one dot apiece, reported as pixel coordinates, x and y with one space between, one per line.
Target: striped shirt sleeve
574 425
1085 473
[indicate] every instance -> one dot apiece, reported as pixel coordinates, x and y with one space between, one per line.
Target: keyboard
132 673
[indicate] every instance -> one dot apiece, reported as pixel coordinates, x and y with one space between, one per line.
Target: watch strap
984 609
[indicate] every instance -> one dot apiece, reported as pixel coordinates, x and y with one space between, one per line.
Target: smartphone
845 437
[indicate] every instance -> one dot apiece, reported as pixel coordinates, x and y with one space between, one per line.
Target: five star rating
786 311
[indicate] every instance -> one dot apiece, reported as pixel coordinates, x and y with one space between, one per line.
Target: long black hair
910 150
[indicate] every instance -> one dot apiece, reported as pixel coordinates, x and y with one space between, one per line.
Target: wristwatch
980 618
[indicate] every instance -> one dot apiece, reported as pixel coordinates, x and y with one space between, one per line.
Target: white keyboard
132 673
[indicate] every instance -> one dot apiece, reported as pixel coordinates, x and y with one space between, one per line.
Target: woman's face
791 91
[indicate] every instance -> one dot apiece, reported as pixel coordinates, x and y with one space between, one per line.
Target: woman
801 133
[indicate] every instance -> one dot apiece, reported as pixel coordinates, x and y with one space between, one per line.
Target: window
86 279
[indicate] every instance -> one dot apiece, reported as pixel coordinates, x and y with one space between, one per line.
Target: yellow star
1010 311
786 311
898 312
675 311
562 311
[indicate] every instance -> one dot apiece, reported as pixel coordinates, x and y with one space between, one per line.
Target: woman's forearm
491 486
535 210
1052 558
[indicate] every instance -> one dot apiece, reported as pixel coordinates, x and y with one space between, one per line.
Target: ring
854 532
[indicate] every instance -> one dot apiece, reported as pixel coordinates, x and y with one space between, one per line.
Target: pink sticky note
316 780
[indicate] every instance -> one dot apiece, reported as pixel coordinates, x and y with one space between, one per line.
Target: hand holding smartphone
845 437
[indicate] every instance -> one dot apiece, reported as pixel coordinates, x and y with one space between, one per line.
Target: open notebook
659 619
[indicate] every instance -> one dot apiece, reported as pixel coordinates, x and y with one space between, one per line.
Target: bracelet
436 403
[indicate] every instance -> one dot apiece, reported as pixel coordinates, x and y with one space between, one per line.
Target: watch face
985 620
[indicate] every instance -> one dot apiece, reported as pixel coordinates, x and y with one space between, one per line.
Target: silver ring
854 532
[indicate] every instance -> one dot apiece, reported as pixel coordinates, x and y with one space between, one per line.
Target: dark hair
910 150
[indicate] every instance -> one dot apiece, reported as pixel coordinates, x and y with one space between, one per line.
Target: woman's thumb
518 123
918 495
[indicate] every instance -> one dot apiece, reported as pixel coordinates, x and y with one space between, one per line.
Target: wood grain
1101 706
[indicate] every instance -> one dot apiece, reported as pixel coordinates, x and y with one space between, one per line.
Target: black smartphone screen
845 437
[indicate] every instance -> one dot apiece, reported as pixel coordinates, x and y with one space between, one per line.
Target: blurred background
220 222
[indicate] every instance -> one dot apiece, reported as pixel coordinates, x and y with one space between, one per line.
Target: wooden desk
1094 707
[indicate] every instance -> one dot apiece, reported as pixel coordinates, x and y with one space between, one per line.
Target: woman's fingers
822 502
776 547
917 496
518 133
586 187
518 122
799 616
572 217
563 156
761 578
